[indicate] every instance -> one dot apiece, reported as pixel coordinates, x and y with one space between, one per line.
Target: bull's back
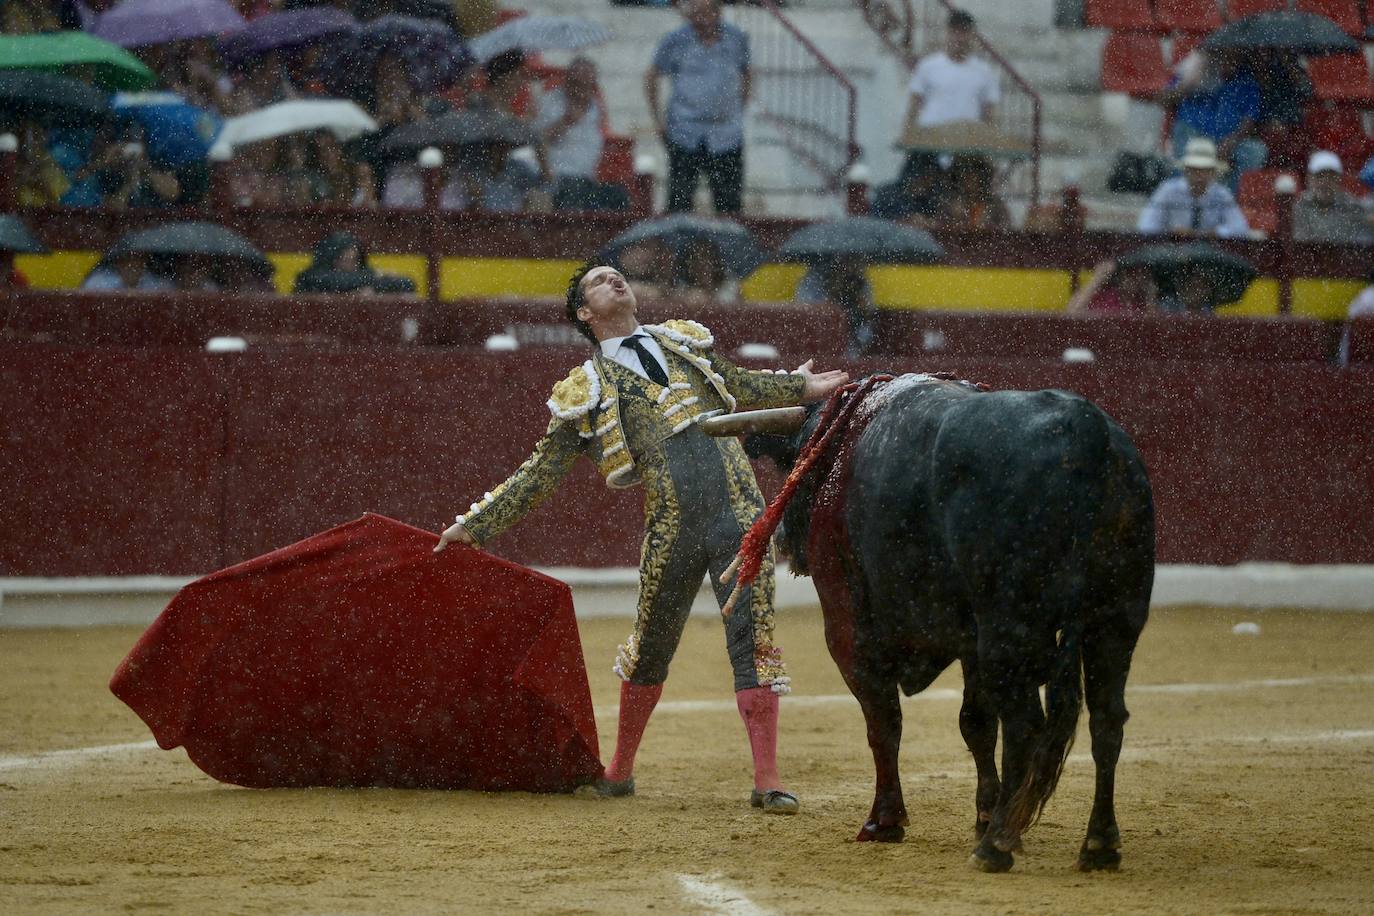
1025 498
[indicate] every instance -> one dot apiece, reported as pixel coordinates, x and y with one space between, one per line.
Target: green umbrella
1230 275
110 66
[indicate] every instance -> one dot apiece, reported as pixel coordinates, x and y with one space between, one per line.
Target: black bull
1011 531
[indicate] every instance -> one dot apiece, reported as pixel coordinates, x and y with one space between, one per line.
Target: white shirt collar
612 344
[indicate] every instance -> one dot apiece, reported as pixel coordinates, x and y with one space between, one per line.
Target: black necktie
1197 215
652 368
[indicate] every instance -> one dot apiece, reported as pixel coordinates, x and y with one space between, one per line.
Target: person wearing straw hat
1194 203
634 409
1326 212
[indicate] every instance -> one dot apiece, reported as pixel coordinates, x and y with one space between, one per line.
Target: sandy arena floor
1244 788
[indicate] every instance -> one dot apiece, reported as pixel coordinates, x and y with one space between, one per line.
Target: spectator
844 282
257 175
38 180
484 177
340 266
701 274
953 84
972 204
333 179
27 17
918 196
10 277
1285 89
1194 204
570 122
1215 98
1362 304
194 273
649 266
707 62
127 271
1111 290
506 79
1325 212
118 176
1194 292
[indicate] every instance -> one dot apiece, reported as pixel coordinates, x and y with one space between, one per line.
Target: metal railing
910 33
809 105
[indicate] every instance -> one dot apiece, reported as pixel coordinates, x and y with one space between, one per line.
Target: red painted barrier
173 461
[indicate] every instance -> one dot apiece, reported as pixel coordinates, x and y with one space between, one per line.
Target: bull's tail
1063 700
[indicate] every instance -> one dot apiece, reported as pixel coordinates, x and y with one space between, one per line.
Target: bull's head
778 435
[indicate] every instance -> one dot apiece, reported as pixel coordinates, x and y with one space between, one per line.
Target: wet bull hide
1012 532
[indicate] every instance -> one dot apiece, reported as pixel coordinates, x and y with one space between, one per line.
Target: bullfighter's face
606 298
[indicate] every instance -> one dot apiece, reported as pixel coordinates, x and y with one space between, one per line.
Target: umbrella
292 28
739 250
177 133
459 128
1230 275
110 66
342 118
434 54
867 238
1301 33
359 658
192 238
540 33
16 238
50 99
134 23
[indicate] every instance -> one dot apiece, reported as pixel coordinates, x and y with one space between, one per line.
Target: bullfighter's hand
454 532
819 385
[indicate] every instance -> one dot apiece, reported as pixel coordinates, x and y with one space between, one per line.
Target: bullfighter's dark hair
575 298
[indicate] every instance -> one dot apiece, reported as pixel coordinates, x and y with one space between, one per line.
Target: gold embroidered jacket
590 420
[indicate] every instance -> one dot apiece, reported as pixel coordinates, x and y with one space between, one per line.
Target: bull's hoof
1098 860
876 833
990 859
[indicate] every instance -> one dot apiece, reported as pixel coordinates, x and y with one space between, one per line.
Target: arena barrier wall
168 460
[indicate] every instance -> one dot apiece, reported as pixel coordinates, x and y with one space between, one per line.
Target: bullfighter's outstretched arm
756 389
529 486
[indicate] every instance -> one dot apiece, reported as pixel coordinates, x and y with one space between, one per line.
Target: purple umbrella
434 54
291 28
134 23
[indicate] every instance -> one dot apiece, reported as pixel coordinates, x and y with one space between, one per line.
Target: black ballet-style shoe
775 801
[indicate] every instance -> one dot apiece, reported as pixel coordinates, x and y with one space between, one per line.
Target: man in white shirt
569 121
1194 204
953 84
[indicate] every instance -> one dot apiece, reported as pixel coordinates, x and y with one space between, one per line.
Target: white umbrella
539 33
342 118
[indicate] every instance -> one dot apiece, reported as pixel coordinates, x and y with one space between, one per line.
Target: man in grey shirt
708 64
1325 212
1194 203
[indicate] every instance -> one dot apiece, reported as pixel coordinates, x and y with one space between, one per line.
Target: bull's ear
778 420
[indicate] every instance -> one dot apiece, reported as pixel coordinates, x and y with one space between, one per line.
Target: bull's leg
883 714
1017 701
978 723
1106 662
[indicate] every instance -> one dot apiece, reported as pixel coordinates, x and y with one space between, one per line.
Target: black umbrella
459 128
740 253
1300 33
16 238
50 99
1230 275
875 241
192 238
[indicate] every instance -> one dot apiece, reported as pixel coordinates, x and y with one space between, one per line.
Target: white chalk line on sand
802 701
715 896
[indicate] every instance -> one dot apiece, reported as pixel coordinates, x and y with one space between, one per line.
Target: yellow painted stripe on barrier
479 277
899 287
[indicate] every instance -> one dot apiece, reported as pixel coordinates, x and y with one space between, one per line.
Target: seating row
793 332
1205 15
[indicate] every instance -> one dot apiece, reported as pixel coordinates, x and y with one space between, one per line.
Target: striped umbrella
540 33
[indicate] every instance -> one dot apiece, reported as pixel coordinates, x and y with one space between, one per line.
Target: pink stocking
758 707
636 704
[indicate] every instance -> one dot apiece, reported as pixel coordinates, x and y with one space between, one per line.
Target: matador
633 409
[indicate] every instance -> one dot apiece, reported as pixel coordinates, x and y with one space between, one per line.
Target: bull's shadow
1012 532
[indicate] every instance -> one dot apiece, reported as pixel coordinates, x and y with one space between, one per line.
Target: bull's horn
774 420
